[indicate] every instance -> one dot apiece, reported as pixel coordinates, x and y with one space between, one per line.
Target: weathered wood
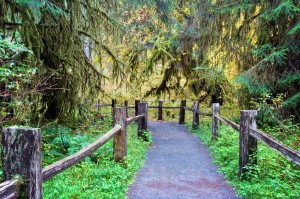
133 119
286 151
126 107
215 123
197 119
120 140
136 107
10 189
166 107
228 122
195 115
248 144
188 109
61 165
182 112
98 106
204 114
160 110
143 123
22 156
113 105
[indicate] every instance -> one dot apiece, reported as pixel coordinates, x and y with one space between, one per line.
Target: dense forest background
57 55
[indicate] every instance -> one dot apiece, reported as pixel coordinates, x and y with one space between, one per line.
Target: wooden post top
22 128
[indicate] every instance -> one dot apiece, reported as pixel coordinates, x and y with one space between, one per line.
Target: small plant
273 177
98 176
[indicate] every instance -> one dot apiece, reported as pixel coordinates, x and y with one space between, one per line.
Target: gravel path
178 166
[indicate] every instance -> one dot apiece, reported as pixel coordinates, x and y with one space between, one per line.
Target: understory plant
98 176
274 176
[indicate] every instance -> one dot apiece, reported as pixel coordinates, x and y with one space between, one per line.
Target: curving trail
178 166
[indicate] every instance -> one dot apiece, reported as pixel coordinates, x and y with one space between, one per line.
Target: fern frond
292 102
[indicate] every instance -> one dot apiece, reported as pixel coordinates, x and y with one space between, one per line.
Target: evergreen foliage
194 46
258 40
63 36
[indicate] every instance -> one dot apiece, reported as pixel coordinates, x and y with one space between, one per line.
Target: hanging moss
64 36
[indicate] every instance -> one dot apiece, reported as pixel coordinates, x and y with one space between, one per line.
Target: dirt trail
178 166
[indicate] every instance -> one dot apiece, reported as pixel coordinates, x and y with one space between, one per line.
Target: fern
290 79
294 30
292 102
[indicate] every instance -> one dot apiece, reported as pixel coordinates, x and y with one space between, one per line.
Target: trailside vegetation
58 57
273 176
98 176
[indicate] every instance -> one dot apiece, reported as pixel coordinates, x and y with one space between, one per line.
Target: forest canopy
54 54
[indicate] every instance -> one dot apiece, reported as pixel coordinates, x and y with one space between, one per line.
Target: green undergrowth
273 177
98 176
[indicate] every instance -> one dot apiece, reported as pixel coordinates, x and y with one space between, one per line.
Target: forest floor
178 166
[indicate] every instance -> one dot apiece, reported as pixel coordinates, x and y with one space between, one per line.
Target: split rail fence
248 132
23 174
21 148
248 135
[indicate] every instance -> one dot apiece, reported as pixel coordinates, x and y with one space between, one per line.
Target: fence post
215 121
248 144
182 112
136 107
195 115
160 110
120 142
126 107
143 123
113 105
22 156
98 106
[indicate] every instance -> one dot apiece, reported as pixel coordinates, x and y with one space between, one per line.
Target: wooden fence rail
286 151
10 189
21 154
61 165
24 145
134 119
249 136
159 107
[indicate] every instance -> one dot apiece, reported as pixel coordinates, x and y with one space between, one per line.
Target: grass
273 177
98 176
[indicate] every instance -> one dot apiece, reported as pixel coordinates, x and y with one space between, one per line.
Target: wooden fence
21 148
248 135
22 157
159 108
